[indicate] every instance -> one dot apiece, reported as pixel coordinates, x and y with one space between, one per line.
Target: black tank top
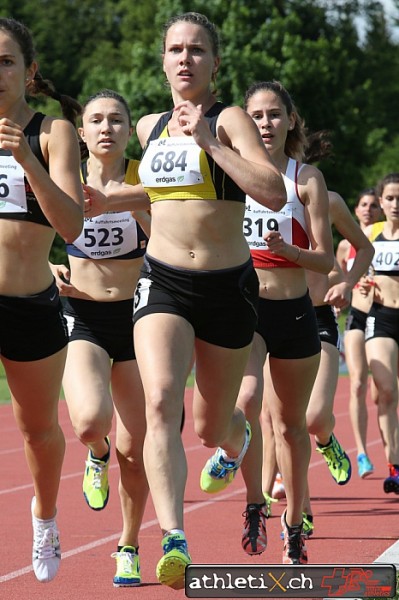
34 213
225 187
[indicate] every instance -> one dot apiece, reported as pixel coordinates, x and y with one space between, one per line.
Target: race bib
259 220
386 257
108 235
12 185
173 161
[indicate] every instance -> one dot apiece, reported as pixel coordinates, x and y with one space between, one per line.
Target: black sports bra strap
32 132
160 125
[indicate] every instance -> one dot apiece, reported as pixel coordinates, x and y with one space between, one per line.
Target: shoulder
312 188
229 116
132 176
338 208
55 129
55 125
375 229
234 123
146 124
309 175
307 171
368 230
335 198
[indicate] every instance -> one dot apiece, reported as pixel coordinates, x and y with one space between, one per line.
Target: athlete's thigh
251 389
35 388
218 376
164 348
288 387
355 353
128 397
382 357
86 382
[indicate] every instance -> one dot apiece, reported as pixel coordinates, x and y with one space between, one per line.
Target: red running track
353 523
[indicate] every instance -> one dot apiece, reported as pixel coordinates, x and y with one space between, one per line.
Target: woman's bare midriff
198 234
281 284
107 280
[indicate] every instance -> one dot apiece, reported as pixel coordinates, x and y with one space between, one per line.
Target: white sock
174 531
237 459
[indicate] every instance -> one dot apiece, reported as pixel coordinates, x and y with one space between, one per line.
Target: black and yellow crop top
176 168
114 235
386 256
17 200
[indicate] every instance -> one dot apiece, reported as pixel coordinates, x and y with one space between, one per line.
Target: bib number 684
165 161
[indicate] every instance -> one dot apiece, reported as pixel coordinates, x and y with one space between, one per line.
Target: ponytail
71 109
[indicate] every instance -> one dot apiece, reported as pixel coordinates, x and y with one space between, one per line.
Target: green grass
5 397
5 393
341 320
190 379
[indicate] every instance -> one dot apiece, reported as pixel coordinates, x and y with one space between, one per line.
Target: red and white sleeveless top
289 221
351 258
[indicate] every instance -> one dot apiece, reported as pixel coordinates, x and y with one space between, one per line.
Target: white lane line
28 486
110 538
390 556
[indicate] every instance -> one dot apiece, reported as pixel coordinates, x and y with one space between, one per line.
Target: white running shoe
278 491
46 553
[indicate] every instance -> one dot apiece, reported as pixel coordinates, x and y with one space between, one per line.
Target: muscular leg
319 415
164 368
35 389
250 402
382 356
291 383
129 402
219 373
358 372
86 386
270 467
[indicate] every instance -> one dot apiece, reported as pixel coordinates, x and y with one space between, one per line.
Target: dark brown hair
23 37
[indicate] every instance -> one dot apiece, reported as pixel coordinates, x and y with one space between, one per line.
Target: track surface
355 523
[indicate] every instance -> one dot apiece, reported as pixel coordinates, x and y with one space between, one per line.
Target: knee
131 463
211 439
319 423
358 388
42 435
250 404
89 431
210 436
292 433
163 406
387 397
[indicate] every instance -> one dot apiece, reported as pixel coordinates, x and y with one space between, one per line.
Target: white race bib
259 220
12 185
386 257
172 161
107 236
